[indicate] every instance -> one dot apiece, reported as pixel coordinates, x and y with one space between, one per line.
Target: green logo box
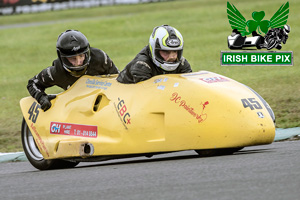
278 58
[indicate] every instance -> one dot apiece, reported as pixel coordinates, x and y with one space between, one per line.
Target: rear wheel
217 152
34 155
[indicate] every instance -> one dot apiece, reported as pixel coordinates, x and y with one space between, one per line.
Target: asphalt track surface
259 172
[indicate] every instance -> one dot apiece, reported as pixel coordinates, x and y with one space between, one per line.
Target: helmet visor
76 62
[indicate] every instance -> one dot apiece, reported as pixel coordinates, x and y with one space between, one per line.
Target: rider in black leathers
62 73
149 61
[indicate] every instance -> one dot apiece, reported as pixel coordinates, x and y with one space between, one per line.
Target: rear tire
217 152
34 155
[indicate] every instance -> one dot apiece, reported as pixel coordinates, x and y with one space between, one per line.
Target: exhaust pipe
86 149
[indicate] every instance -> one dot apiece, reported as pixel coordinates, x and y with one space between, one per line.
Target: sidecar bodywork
99 118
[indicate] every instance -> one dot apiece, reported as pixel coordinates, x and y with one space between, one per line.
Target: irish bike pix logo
257 41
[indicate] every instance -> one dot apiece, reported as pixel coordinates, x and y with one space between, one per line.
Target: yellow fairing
200 110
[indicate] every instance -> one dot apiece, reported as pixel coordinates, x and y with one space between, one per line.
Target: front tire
34 155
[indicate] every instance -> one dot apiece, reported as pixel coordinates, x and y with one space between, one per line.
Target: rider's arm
36 86
109 65
140 71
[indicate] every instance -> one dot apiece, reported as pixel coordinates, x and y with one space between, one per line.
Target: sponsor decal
123 113
75 48
159 80
161 87
199 116
260 115
173 42
80 130
214 79
39 140
176 84
96 84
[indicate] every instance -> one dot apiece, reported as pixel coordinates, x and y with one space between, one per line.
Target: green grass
122 31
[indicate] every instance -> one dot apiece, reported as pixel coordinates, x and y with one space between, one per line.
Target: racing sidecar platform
99 118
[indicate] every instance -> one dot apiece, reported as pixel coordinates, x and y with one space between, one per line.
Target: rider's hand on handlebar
44 101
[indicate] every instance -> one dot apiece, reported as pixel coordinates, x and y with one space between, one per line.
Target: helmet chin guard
168 66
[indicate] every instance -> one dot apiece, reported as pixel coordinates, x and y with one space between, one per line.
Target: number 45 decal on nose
34 111
251 103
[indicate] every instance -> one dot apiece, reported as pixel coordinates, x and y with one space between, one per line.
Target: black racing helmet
71 43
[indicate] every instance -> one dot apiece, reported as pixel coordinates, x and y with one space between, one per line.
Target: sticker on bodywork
214 79
199 116
96 84
123 113
80 130
39 141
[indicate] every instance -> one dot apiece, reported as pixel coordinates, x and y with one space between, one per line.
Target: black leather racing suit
100 64
142 68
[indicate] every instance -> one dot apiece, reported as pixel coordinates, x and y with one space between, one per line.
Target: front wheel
35 157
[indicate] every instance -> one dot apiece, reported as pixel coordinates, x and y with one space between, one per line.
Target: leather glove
44 101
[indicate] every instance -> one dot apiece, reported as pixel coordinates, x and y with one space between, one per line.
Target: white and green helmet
166 38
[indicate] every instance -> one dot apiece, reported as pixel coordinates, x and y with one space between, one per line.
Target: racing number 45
251 103
34 111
